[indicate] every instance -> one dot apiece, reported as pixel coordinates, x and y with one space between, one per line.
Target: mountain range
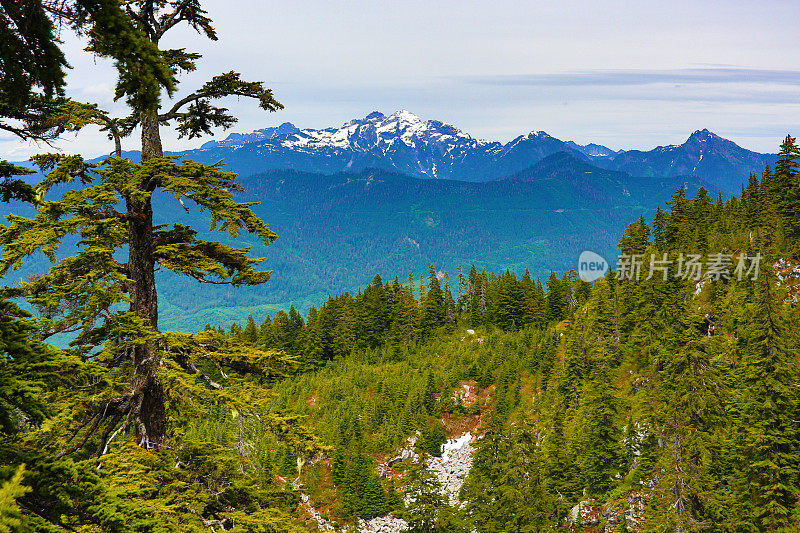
403 142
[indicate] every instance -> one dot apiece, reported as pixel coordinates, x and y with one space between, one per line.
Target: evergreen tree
406 320
250 332
471 297
699 218
266 335
636 237
601 457
373 500
678 227
374 313
294 328
433 305
787 184
313 346
280 331
124 384
114 209
659 228
449 303
556 298
751 202
509 308
691 388
772 228
770 437
463 287
343 337
526 504
532 300
426 503
429 398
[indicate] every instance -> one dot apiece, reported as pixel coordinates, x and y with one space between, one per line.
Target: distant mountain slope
566 165
704 154
593 150
239 139
402 142
336 231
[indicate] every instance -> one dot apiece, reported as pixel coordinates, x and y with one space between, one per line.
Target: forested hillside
377 221
648 404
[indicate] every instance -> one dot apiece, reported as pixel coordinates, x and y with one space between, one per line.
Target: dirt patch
312 401
458 425
788 271
486 397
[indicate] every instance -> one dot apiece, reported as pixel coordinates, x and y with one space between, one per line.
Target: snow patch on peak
404 116
378 132
538 135
702 135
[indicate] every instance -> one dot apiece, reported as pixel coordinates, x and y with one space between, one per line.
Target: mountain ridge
433 149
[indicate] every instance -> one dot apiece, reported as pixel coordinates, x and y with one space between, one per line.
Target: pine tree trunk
149 412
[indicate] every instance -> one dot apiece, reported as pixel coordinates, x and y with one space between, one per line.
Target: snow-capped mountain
407 143
373 131
403 142
400 142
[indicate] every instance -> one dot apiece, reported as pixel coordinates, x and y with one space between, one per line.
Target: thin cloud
636 77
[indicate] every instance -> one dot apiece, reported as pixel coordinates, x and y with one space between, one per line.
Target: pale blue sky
624 74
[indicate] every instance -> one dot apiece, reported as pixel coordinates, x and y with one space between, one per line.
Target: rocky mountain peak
539 135
701 136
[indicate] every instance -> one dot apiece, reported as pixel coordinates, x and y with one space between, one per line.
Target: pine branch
187 11
11 189
169 20
113 130
182 356
202 116
113 410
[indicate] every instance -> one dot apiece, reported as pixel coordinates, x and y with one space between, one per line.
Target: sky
631 75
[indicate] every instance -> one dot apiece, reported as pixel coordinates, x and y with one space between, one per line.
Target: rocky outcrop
382 524
406 452
606 517
450 469
632 510
312 514
453 466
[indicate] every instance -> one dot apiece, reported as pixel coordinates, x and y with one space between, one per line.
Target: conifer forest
662 396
